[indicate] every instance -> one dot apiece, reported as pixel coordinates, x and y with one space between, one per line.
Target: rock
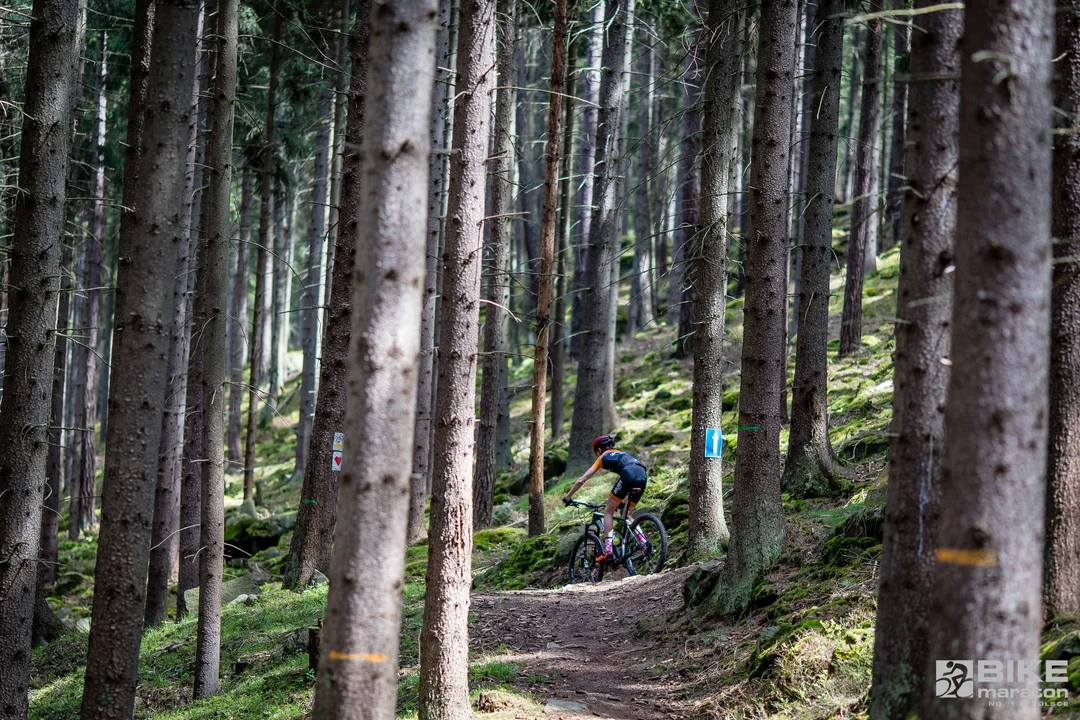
502 515
317 579
230 591
250 535
243 600
293 642
83 625
492 701
556 705
566 546
248 508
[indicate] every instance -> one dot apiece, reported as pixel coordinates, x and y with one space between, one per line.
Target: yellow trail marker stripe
982 557
362 657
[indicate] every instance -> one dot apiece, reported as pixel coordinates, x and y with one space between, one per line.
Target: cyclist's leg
613 504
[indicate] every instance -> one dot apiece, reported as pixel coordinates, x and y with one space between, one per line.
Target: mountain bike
639 557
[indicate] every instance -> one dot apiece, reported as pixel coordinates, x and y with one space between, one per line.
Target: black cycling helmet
604 442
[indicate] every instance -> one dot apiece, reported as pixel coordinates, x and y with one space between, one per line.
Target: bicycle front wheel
651 552
583 565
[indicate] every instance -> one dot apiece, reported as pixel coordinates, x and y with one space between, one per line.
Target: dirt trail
585 643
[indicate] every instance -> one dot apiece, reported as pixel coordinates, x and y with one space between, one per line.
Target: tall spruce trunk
923 335
757 520
497 289
279 306
214 323
444 639
337 149
896 180
358 669
548 220
585 172
639 313
686 199
864 203
313 536
240 311
1062 593
988 579
262 262
847 172
141 344
723 63
591 390
562 248
438 175
51 75
808 469
311 296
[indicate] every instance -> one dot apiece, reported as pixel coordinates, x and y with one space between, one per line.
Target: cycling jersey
631 472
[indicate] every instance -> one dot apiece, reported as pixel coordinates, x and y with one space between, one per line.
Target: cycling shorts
631 483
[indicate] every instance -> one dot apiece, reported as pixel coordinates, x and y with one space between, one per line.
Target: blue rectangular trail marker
714 442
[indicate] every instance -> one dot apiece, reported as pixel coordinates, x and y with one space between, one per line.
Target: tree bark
864 203
923 334
586 166
1062 593
639 313
313 536
142 336
988 578
279 306
757 520
547 259
311 295
34 270
896 182
808 469
358 670
562 239
240 304
341 99
214 322
497 289
591 390
266 221
846 179
708 529
444 645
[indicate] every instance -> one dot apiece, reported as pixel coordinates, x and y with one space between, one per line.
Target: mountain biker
629 487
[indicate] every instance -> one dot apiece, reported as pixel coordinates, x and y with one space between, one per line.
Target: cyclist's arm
583 479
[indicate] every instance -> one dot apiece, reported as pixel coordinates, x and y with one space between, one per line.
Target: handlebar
591 506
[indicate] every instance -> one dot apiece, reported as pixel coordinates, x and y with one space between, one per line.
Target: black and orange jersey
617 461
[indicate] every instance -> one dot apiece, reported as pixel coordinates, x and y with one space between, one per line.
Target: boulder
317 579
251 535
247 508
230 591
566 546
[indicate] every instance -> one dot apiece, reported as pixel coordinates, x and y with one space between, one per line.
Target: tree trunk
358 670
279 309
639 313
425 395
896 182
141 341
808 470
313 536
562 238
591 391
338 147
847 174
240 297
311 295
547 259
708 529
266 220
757 520
686 201
921 378
1062 595
585 172
444 682
497 295
864 203
214 322
987 587
51 75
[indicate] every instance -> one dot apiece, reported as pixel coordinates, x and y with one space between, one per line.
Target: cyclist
628 488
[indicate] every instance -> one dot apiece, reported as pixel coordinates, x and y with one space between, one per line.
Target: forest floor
624 649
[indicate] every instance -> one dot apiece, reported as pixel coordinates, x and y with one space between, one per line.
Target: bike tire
583 567
651 559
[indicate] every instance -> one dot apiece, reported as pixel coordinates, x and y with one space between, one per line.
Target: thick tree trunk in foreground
808 470
757 521
864 204
214 322
444 639
141 343
313 536
923 334
266 221
590 393
708 529
497 291
987 588
311 294
35 270
240 339
547 260
358 670
1062 595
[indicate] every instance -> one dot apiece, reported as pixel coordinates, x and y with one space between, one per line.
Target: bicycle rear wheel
650 558
583 565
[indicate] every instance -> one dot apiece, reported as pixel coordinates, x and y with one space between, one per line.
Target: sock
607 544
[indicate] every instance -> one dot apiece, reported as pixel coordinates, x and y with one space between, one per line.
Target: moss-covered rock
841 550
